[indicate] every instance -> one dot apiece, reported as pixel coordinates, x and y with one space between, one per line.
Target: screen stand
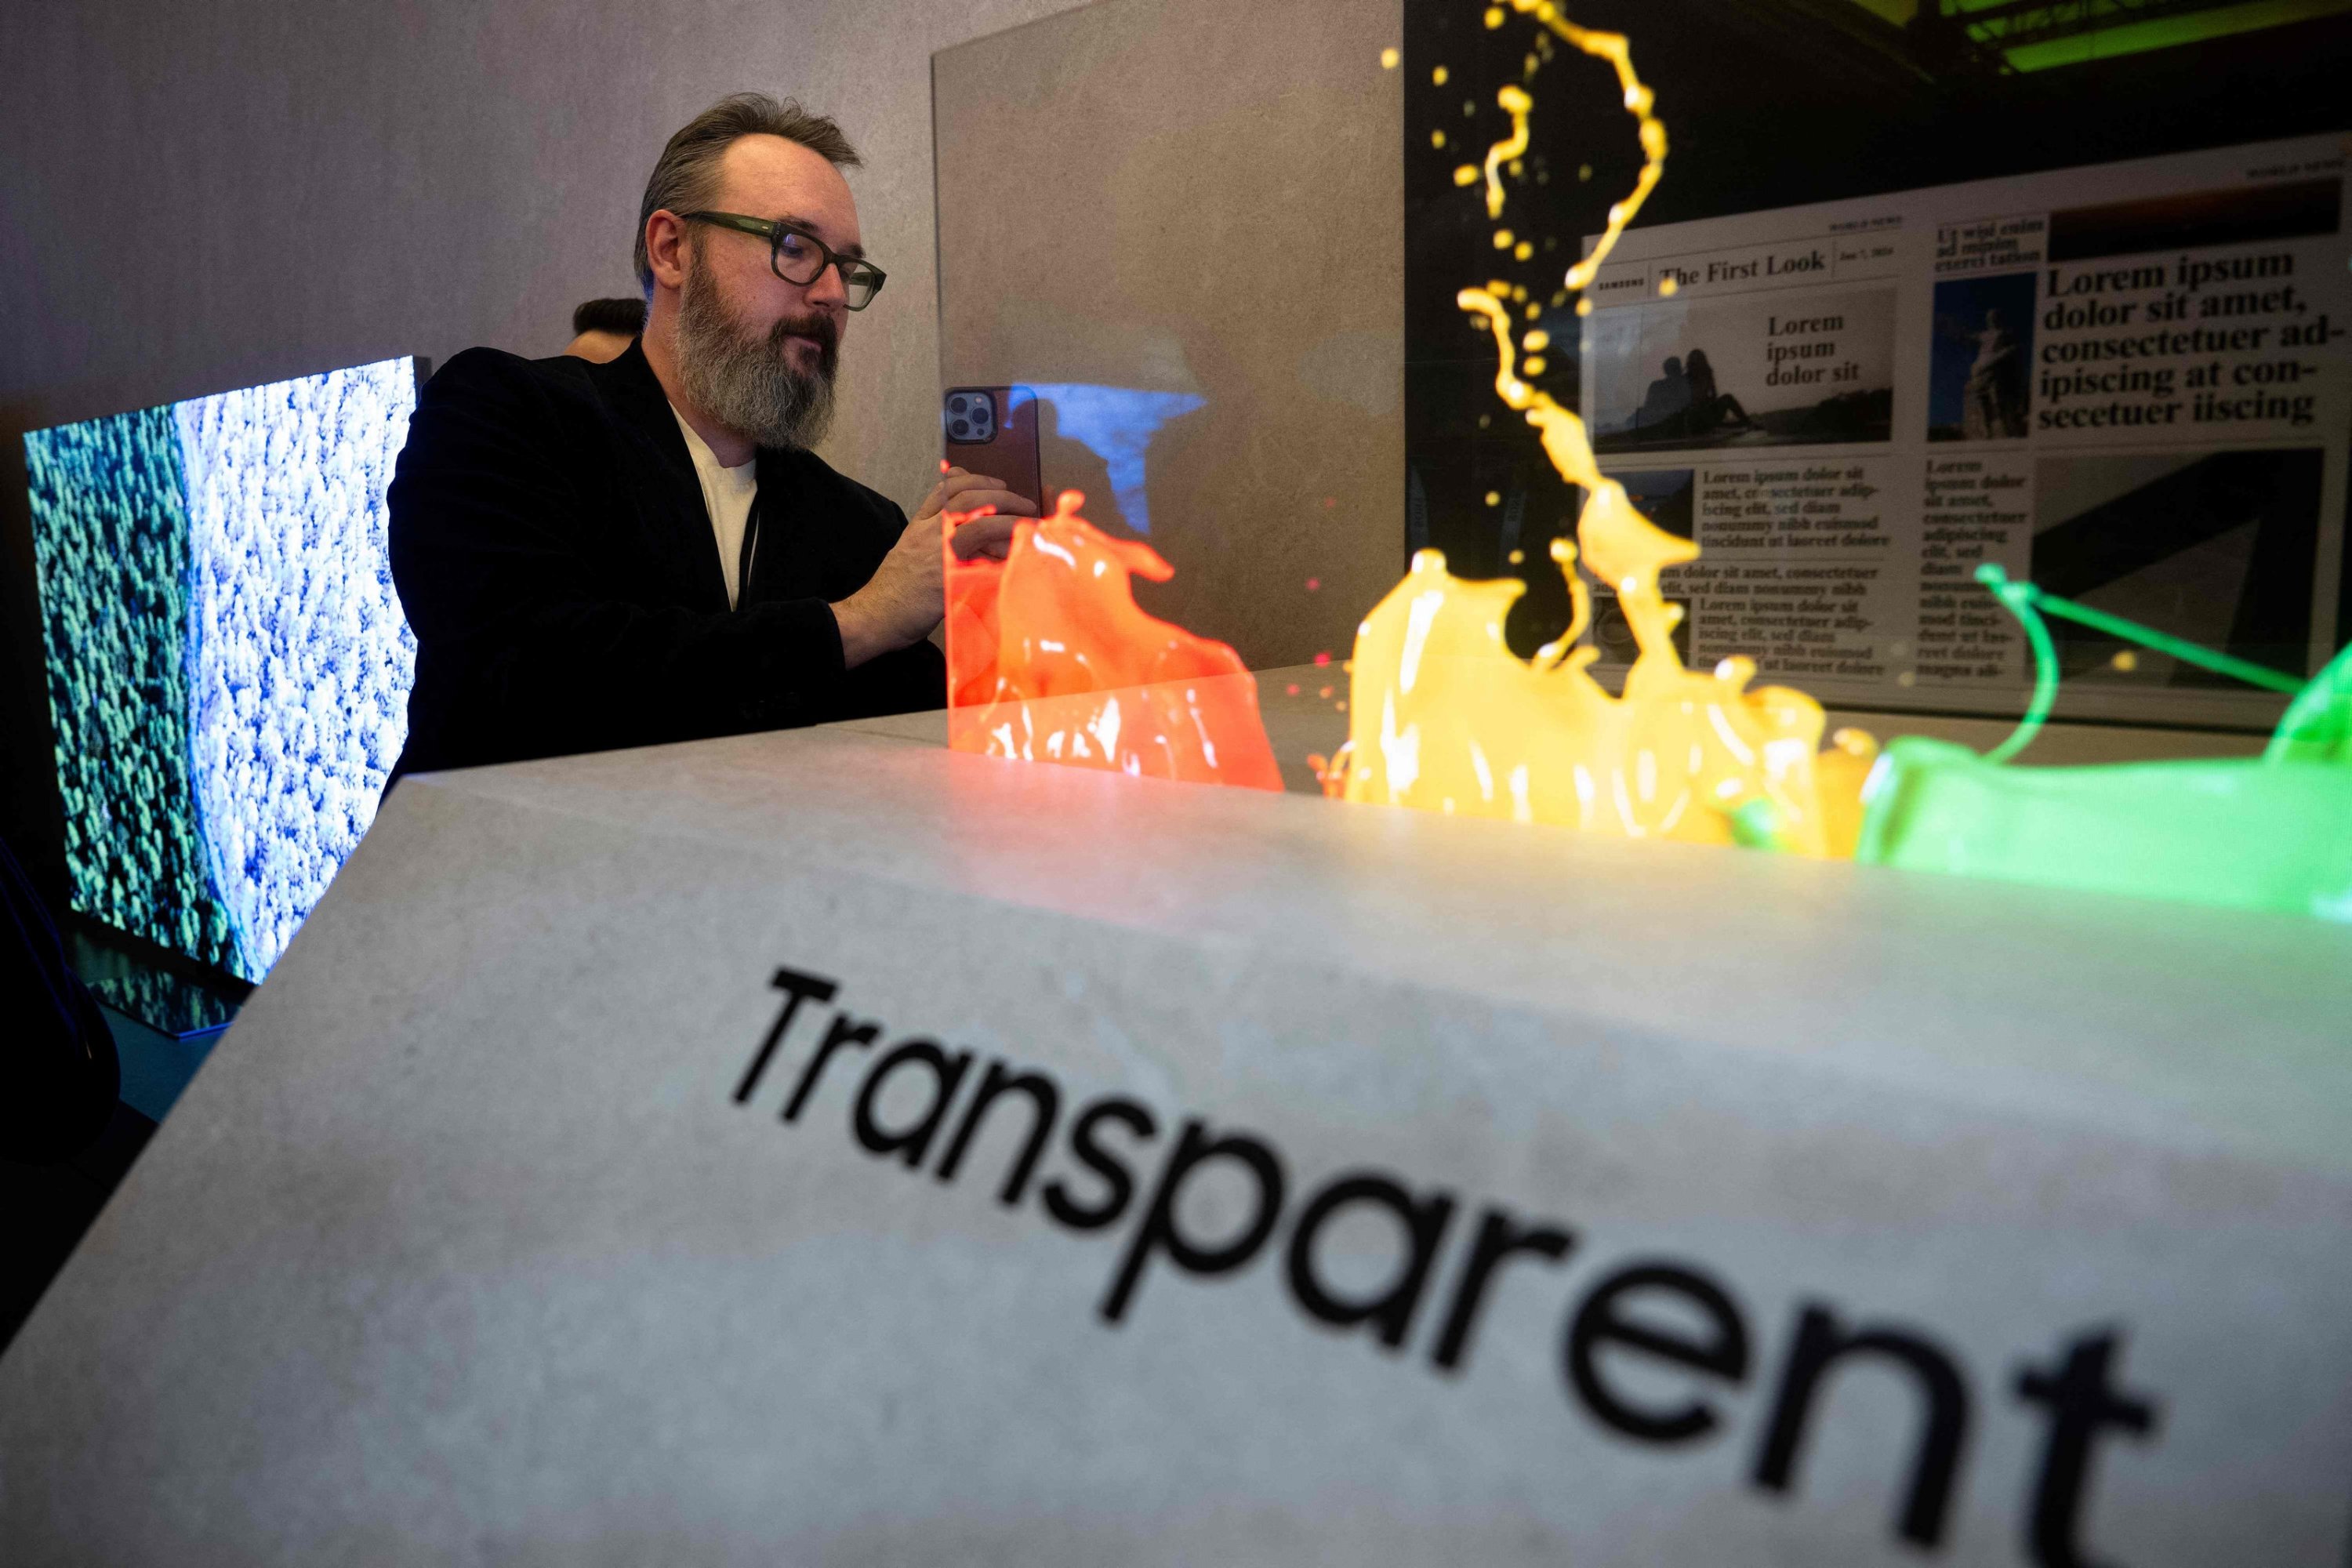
141 986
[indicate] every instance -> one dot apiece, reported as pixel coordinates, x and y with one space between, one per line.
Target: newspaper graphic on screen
2128 383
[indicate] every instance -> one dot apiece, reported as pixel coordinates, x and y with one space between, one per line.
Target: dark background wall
1769 103
200 197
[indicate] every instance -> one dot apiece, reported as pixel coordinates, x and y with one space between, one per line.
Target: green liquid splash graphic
2267 833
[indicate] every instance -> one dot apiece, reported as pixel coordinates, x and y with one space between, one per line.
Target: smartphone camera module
972 416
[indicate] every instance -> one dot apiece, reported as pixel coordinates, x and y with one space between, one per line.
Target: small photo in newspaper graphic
1613 634
2217 547
1752 370
1979 374
1664 495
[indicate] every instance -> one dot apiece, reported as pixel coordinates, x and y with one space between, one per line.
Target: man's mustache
816 326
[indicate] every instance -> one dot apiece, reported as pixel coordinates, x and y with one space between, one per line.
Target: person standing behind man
648 550
601 330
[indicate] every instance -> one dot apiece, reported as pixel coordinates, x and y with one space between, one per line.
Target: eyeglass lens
800 261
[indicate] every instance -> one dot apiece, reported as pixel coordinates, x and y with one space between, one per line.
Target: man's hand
907 598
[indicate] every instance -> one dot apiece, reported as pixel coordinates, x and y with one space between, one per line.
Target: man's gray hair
685 176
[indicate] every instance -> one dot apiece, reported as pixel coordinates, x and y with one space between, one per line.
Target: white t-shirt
727 495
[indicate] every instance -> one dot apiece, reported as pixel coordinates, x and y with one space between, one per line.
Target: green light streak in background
2267 833
2130 35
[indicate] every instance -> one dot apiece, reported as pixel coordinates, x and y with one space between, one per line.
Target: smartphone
993 430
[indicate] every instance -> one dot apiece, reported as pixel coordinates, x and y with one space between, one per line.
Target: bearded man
620 554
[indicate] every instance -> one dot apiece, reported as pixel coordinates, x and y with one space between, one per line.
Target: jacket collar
669 498
630 385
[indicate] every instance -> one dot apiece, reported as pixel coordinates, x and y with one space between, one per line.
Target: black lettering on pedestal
1118 1184
1823 1339
797 988
910 1143
1045 1104
1722 1353
1159 1229
1499 1238
1422 1221
841 1031
2081 1402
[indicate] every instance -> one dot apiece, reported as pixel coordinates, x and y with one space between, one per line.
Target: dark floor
49 1207
44 1209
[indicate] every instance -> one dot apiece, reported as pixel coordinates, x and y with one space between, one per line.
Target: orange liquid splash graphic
1050 659
1444 717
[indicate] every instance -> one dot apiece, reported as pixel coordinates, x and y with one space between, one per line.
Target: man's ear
666 243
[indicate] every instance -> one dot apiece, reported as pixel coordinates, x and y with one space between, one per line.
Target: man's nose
828 292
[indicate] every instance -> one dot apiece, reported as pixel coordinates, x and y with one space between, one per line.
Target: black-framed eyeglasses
800 257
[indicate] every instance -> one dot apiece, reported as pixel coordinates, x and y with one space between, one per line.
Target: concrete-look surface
1766 1211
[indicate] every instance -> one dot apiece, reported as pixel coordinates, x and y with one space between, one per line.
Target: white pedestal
471 1242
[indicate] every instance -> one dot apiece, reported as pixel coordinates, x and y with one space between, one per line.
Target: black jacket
556 562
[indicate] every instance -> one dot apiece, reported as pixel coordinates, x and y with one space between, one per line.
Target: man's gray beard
743 378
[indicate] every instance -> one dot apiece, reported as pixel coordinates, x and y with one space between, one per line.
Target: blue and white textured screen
229 667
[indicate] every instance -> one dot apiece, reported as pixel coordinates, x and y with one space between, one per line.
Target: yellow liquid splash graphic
1444 717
